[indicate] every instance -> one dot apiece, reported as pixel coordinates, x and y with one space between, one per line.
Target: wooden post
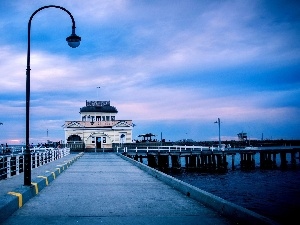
213 156
225 163
293 160
262 160
209 162
274 161
253 161
192 161
283 164
242 160
152 162
232 161
175 160
219 163
186 162
163 161
198 161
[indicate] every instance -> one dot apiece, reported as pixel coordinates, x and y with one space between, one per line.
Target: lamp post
219 122
73 41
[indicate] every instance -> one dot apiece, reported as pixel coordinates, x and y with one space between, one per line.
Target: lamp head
73 40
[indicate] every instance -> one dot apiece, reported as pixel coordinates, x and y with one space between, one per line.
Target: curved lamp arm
73 40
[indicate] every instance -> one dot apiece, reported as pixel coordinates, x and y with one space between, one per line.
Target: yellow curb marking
36 187
63 166
58 170
19 197
46 178
53 175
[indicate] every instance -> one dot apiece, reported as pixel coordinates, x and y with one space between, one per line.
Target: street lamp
219 122
73 41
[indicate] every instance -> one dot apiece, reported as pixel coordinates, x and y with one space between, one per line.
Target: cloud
181 64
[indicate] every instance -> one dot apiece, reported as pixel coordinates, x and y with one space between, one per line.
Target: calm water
271 193
274 193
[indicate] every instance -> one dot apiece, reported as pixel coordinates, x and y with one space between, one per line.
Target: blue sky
173 67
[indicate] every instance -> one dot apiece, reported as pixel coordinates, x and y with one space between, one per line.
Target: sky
172 67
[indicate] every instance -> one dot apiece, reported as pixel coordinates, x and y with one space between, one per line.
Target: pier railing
168 149
13 164
213 158
198 149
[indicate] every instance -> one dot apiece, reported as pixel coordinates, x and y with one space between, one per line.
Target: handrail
13 164
180 148
172 148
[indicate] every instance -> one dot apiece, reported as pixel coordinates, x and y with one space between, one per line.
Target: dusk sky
173 67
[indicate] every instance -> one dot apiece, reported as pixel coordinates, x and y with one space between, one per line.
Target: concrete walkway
106 189
17 181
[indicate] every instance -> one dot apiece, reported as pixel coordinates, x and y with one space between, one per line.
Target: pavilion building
98 127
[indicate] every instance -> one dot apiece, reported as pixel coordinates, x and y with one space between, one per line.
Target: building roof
105 108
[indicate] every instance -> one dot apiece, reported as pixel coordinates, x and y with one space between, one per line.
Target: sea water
272 193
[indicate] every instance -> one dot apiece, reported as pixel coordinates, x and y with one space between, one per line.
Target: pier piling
206 160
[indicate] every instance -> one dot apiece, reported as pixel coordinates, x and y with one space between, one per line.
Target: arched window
74 138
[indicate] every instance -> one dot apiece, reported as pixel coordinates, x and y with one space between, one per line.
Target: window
103 118
107 118
98 118
122 137
113 118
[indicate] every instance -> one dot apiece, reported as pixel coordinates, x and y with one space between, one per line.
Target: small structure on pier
242 136
147 137
98 127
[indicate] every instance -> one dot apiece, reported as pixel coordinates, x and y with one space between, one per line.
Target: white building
98 127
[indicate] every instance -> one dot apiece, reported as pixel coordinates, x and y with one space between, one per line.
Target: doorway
98 142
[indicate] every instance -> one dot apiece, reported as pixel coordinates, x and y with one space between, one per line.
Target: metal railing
13 164
173 148
189 149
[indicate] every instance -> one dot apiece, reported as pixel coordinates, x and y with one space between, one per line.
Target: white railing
188 149
173 148
13 164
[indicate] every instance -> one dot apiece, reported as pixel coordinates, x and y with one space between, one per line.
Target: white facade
98 127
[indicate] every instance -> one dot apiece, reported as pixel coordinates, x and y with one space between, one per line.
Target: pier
109 188
214 159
